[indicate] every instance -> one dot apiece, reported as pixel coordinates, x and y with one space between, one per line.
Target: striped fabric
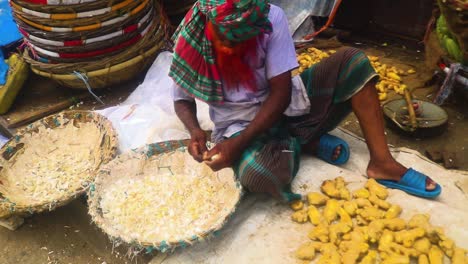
193 67
271 162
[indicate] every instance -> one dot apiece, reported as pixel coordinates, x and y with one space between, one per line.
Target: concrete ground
68 236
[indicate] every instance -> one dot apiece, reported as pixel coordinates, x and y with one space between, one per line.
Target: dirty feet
392 170
312 148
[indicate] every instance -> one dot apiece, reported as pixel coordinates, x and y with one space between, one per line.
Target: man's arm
187 113
270 112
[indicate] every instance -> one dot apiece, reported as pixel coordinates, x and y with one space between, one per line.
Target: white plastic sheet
148 116
261 230
3 140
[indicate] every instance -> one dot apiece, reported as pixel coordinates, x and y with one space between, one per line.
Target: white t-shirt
275 55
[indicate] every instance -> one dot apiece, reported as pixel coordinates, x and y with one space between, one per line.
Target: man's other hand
197 145
224 154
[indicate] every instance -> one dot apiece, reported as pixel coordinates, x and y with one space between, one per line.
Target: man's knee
349 51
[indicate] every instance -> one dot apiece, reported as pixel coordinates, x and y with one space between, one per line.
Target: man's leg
269 167
382 165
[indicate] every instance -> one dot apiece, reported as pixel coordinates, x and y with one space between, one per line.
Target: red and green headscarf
193 66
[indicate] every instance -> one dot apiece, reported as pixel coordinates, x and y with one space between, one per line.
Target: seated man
237 56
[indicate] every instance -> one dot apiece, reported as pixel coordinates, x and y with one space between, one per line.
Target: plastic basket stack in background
90 43
176 10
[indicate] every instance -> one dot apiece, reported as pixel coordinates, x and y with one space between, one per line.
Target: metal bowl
431 121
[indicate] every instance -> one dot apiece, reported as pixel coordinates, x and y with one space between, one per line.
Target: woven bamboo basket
85 24
66 6
107 76
158 198
150 41
74 35
74 19
91 44
53 161
53 57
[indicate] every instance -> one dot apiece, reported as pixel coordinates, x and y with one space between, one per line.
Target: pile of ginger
362 227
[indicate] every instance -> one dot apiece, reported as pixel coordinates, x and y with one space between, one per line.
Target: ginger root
361 202
370 213
317 199
407 237
376 201
370 258
436 256
458 256
306 252
330 254
337 230
331 210
314 215
396 259
419 220
393 212
350 207
422 245
376 223
297 205
376 189
395 224
300 216
361 193
336 188
422 259
345 217
329 188
319 233
352 251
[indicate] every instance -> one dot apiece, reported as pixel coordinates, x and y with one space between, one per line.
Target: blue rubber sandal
413 182
327 146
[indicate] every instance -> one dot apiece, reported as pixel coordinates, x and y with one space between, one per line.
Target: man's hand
197 145
224 154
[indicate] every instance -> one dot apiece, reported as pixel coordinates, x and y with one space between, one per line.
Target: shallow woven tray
166 159
75 19
15 202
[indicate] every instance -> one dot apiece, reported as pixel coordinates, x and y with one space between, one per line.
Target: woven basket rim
156 37
77 22
65 36
74 15
67 7
148 151
103 71
8 208
148 18
66 4
139 36
84 28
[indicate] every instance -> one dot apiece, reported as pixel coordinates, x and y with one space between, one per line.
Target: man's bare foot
312 148
392 170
